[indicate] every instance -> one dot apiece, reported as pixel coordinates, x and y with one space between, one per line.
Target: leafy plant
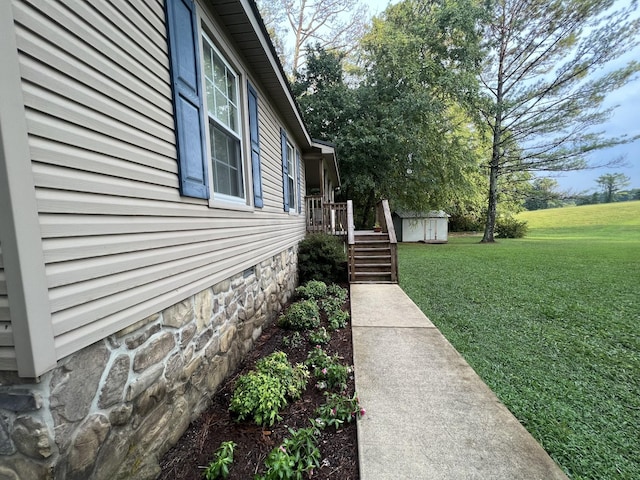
328 370
313 289
295 340
292 378
302 315
260 396
337 292
338 409
338 320
511 228
297 455
322 257
219 467
319 337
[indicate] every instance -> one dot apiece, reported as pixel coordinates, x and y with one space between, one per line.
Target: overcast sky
625 120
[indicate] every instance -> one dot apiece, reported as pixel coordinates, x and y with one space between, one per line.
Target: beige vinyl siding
119 242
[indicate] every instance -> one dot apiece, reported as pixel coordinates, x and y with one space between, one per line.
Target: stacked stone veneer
111 410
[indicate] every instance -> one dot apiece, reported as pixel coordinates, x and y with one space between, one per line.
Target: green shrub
219 467
313 289
338 319
509 227
302 315
293 378
465 223
294 341
328 370
319 337
260 396
297 455
338 409
336 292
322 257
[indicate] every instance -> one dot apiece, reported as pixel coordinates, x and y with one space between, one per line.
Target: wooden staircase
373 257
372 261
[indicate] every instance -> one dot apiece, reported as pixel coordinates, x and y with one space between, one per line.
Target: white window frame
206 33
292 178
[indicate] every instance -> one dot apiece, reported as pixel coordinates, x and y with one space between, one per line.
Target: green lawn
551 323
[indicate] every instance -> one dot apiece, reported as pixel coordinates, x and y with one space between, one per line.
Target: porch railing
326 217
383 217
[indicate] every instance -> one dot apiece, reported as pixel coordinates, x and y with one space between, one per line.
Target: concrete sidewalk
429 416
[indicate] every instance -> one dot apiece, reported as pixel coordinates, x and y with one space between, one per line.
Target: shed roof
429 214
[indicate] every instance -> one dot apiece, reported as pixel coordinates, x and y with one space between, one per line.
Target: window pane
226 159
222 108
292 194
220 149
219 73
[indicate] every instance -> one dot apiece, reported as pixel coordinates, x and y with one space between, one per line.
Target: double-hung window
291 169
223 114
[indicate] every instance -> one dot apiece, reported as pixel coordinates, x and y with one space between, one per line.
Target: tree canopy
405 131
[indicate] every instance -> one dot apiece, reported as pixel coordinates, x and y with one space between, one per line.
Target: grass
551 324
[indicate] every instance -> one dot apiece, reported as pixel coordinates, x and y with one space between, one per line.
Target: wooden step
374 267
373 277
358 259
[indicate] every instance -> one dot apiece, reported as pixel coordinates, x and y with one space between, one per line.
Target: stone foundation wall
113 409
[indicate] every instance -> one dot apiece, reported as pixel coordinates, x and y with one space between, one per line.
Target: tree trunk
494 165
490 225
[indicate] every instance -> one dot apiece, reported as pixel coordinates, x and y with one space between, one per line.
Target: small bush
293 341
322 257
297 455
312 290
336 292
328 370
511 228
338 319
302 315
319 337
293 379
465 223
260 396
338 409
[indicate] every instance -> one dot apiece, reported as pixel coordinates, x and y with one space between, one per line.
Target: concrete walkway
429 416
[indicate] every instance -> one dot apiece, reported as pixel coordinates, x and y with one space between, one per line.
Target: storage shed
428 227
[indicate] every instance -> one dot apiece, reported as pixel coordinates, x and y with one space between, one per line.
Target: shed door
433 229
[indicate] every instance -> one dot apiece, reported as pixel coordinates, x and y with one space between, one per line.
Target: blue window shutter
299 184
254 134
182 32
285 169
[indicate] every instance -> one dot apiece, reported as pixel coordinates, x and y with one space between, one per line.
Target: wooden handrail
383 215
388 221
351 230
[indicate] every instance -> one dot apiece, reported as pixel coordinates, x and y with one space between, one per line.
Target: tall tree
331 24
403 131
414 141
612 183
545 81
543 194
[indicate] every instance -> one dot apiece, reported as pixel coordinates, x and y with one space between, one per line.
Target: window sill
224 204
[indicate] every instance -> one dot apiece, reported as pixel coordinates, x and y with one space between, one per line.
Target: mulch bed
187 460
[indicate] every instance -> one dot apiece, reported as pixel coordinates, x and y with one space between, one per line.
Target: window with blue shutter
182 31
285 169
254 134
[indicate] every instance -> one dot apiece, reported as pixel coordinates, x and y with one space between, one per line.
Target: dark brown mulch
186 461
